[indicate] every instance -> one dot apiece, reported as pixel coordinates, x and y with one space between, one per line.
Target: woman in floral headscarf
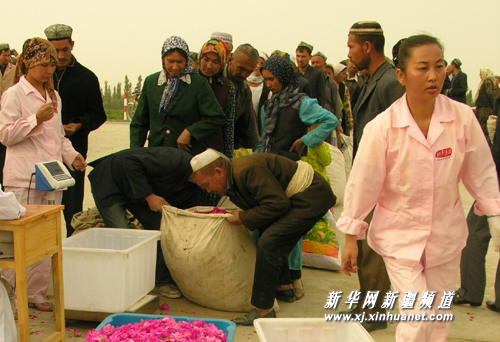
177 107
31 128
485 99
212 61
285 119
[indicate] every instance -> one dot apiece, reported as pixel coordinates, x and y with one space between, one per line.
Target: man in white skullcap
280 198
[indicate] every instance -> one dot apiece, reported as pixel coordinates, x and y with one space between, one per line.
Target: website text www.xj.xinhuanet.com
363 317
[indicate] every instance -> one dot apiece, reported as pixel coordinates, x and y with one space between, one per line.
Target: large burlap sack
336 172
211 260
346 146
320 246
91 218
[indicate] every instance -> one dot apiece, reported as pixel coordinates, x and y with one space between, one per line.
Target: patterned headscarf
218 47
288 96
173 42
37 51
488 77
285 55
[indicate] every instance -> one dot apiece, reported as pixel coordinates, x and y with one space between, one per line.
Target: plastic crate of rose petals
138 327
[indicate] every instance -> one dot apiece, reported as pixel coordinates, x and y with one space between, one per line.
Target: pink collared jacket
28 143
413 182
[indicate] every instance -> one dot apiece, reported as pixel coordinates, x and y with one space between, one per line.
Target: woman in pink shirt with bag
410 161
31 128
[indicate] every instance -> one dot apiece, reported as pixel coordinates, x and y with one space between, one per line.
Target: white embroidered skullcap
201 160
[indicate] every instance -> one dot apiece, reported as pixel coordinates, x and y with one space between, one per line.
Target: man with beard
366 50
82 110
240 65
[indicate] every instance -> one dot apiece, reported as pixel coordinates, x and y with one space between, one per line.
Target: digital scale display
54 168
52 175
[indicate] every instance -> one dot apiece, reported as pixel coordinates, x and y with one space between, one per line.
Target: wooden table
37 236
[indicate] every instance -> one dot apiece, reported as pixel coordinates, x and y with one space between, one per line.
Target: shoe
371 326
459 300
43 307
298 286
354 311
492 306
170 291
286 295
252 316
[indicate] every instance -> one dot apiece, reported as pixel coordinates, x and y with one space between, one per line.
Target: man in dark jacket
142 180
366 50
458 86
82 110
472 263
280 198
315 77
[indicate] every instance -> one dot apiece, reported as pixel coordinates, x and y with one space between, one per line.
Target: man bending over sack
142 180
281 198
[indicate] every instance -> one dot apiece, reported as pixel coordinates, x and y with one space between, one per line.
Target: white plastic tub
108 269
309 330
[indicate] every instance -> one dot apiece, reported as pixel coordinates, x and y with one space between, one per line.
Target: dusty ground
470 324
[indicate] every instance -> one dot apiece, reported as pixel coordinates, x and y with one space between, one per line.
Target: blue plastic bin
117 320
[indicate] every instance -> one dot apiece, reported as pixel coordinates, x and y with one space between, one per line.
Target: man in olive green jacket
280 198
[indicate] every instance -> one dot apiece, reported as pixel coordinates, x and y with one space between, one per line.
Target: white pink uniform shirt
28 143
413 181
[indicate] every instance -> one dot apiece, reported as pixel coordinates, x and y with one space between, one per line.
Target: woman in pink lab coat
31 128
409 164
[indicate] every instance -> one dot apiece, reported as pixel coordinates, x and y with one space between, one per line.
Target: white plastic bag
211 260
346 146
336 172
10 209
8 332
491 126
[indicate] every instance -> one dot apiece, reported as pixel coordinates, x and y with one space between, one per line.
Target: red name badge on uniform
445 153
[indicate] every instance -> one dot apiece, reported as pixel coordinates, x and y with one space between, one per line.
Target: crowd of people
255 128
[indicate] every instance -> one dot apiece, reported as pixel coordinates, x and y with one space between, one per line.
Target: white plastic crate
309 330
108 269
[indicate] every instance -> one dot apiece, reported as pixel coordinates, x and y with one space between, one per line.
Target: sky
114 38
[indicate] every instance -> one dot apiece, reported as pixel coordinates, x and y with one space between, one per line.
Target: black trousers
151 220
473 262
372 274
271 266
3 150
73 199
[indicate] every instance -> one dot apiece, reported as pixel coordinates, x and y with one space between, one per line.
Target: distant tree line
113 98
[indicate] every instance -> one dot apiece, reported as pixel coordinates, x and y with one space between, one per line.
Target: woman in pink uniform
410 161
31 128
